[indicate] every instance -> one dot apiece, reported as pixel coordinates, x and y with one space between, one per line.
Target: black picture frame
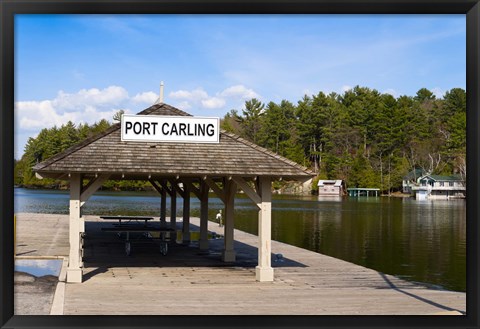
9 8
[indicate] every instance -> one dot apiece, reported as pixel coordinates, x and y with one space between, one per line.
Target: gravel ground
33 295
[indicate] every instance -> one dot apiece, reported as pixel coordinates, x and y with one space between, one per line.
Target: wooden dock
189 282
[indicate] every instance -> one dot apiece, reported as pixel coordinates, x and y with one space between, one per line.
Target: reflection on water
423 241
39 267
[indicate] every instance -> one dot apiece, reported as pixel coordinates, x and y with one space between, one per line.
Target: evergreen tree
230 122
251 120
278 124
309 130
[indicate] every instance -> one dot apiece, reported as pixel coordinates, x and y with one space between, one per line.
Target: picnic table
128 219
142 231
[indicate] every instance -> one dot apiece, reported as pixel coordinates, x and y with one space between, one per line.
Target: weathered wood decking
187 281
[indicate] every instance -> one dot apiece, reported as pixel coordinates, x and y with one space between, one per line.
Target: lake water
422 241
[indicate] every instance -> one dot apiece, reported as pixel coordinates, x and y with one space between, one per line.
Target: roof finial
161 93
160 97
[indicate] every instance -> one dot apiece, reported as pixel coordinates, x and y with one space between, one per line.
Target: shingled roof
106 153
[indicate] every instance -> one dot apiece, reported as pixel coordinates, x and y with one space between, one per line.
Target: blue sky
86 67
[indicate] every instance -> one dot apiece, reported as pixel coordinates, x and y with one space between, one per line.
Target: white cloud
346 88
213 103
200 98
84 106
391 92
148 97
194 95
93 97
32 115
43 114
239 91
184 105
306 92
438 92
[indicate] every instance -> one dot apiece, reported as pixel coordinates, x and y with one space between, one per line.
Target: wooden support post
173 211
74 271
186 214
163 207
173 202
264 270
230 188
202 194
203 244
162 190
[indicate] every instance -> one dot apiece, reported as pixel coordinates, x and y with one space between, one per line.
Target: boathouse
176 169
330 187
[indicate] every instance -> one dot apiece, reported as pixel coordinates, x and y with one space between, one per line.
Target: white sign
156 128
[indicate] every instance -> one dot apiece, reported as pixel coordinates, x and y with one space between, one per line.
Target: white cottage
435 187
411 179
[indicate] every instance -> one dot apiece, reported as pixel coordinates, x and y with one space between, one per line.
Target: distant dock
189 282
362 191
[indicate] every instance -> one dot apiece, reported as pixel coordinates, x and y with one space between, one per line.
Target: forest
364 137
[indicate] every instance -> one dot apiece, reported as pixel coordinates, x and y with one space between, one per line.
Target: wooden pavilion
174 169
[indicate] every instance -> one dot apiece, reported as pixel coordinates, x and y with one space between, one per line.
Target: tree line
364 137
49 142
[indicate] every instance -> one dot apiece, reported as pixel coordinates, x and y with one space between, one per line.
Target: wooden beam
177 188
250 192
92 186
164 185
218 191
193 188
155 186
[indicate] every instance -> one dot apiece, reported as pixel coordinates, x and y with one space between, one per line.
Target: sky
84 68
